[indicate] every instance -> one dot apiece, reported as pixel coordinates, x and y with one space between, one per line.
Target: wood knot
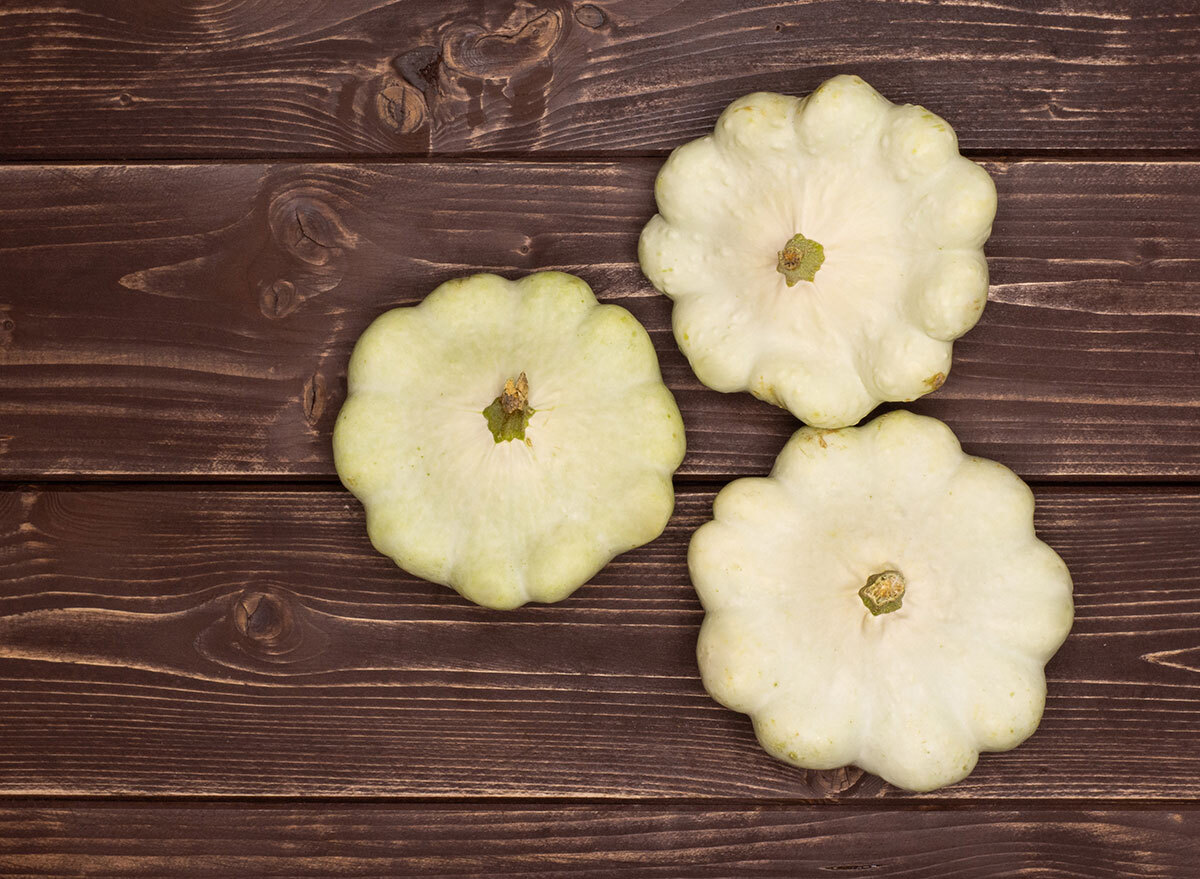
7 326
525 40
590 15
278 299
125 99
305 252
419 67
836 782
265 622
309 228
264 629
314 398
402 108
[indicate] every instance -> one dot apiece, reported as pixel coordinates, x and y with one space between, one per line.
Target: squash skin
508 522
912 695
902 219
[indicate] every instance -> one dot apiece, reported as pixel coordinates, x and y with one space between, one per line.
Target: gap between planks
593 157
305 482
699 804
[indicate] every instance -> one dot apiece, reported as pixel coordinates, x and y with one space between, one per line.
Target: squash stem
800 259
508 415
883 593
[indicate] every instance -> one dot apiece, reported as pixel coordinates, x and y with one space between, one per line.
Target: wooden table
206 670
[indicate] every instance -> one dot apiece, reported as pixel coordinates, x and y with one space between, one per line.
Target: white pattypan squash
823 252
881 599
508 438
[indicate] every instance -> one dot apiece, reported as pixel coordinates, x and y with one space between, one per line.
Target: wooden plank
250 642
133 839
196 320
92 79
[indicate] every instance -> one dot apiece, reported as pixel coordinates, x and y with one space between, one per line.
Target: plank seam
1185 484
702 803
375 159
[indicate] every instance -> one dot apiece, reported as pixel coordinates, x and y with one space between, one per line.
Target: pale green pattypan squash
881 599
508 438
823 252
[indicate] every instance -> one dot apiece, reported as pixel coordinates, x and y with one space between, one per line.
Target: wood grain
196 320
250 642
193 322
102 78
126 840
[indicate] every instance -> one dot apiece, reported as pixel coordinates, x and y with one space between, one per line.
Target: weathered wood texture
193 322
196 320
104 78
125 840
201 641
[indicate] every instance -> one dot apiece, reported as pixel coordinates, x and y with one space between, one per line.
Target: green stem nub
508 415
800 259
883 593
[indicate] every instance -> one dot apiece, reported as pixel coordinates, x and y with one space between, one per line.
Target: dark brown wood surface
147 339
204 667
53 838
104 78
250 641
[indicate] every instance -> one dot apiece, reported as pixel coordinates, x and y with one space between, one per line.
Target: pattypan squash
880 599
508 438
823 252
